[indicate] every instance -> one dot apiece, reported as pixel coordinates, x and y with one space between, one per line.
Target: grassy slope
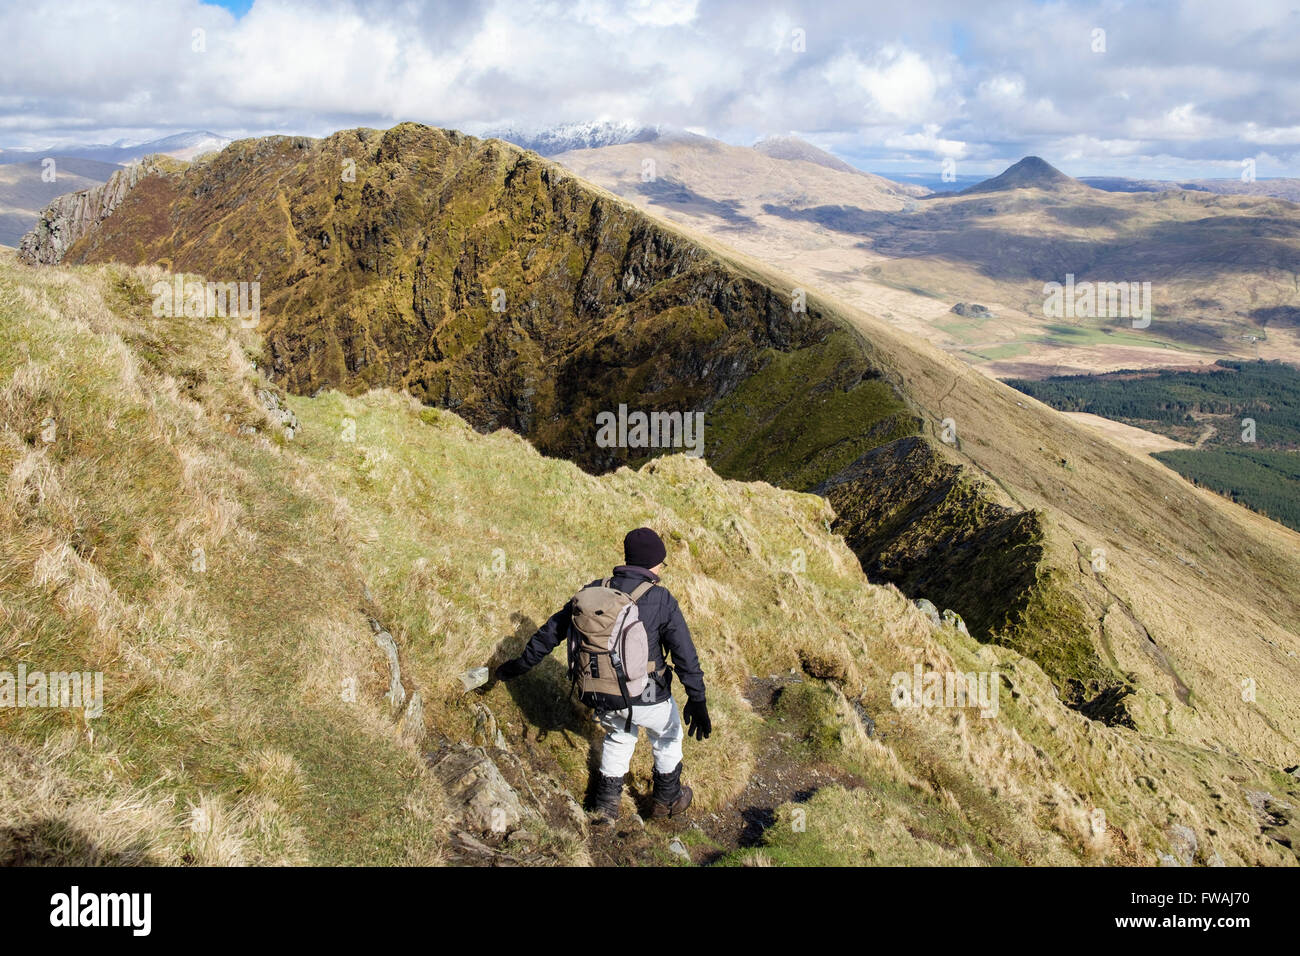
1169 548
603 306
222 686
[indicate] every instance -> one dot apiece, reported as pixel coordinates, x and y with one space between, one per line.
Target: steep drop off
71 216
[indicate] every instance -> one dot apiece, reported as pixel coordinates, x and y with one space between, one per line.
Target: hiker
618 630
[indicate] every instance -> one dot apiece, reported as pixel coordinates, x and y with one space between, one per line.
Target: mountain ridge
794 147
550 140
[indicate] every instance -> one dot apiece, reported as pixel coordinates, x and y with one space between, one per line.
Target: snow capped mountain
567 136
184 145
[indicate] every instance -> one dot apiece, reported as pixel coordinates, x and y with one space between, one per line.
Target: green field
995 353
1074 335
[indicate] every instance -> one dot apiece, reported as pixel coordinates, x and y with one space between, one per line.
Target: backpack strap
627 700
605 583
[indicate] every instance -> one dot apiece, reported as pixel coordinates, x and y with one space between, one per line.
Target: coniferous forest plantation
1240 419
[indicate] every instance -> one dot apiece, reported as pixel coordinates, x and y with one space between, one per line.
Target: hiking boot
609 796
670 796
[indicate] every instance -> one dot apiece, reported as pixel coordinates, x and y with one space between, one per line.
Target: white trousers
662 723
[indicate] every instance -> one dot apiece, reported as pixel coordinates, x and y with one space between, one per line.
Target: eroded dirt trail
782 774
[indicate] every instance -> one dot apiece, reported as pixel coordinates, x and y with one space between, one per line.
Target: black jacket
665 631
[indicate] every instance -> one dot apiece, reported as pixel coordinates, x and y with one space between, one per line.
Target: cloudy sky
1150 89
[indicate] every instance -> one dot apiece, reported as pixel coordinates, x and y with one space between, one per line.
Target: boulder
486 731
396 695
1183 843
278 412
952 619
929 610
868 725
412 722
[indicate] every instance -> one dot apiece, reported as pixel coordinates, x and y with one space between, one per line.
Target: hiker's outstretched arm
547 636
675 638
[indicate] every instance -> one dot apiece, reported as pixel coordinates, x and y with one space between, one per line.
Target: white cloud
1002 88
928 141
928 79
662 13
900 83
1179 122
1276 136
621 18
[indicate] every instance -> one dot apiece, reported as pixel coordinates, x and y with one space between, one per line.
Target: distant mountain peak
551 141
1032 172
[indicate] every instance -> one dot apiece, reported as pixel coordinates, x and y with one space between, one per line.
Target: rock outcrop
396 695
927 608
70 217
478 794
278 412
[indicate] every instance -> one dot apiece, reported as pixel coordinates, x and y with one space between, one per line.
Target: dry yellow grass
1134 439
222 713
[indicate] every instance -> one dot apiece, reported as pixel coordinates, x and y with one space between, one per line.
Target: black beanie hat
643 548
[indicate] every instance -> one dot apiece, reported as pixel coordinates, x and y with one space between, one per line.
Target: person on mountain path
618 630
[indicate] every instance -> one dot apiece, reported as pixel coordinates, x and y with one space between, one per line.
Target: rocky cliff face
487 280
70 217
920 523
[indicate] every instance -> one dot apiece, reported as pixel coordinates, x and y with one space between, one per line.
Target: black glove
696 715
511 669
